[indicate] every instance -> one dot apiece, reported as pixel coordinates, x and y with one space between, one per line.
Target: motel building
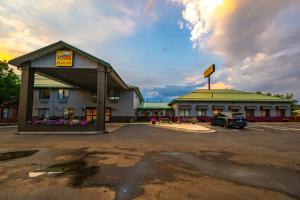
64 89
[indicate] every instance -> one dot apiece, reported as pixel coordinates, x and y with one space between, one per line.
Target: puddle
78 171
276 179
15 155
126 181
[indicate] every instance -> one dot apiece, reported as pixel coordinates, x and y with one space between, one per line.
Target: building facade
203 104
53 99
82 93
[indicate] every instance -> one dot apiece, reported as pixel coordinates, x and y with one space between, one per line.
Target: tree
294 106
288 96
9 84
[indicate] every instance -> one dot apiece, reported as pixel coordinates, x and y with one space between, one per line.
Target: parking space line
283 128
257 129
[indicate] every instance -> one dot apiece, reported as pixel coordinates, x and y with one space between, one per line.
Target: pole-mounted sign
211 69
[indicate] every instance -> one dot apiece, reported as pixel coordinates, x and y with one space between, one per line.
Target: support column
26 97
101 98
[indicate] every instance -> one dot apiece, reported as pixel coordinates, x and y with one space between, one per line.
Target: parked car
229 119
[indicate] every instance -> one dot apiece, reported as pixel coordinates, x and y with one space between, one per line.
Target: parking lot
140 161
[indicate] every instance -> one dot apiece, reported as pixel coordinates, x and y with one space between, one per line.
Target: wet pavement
6 156
143 162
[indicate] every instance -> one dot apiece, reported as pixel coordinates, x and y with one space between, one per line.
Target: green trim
155 106
225 95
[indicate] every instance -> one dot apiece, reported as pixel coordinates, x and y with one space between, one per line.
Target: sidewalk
195 128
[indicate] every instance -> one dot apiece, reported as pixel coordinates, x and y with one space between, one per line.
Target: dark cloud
169 92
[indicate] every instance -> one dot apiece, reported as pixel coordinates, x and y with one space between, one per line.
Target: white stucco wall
80 99
209 111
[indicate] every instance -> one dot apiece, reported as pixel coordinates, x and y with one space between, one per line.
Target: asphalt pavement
261 161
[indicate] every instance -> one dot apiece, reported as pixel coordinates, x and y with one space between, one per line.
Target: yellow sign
64 58
209 71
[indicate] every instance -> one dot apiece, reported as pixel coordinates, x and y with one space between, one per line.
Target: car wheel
241 127
212 122
226 124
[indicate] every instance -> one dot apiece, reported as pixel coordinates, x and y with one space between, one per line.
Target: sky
163 46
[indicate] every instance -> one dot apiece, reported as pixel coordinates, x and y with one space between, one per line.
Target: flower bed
61 122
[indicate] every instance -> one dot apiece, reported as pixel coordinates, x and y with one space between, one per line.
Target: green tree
9 84
294 106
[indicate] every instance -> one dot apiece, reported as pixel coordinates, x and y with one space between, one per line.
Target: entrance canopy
70 65
82 72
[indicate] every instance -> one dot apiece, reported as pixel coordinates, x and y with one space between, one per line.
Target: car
229 119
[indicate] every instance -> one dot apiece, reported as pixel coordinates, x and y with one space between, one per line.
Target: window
6 113
234 110
44 113
201 112
281 113
184 113
250 113
217 111
69 113
44 93
265 113
114 94
91 114
63 93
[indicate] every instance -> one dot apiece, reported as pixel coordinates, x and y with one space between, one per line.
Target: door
91 114
108 114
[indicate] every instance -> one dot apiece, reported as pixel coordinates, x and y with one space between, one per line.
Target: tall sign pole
211 69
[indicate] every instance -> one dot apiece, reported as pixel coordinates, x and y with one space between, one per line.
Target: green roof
153 105
227 95
43 82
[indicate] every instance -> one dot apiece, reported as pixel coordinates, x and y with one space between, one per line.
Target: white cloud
26 24
218 85
257 40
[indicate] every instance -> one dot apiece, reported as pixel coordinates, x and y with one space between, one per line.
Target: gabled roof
152 106
226 95
43 82
137 91
60 45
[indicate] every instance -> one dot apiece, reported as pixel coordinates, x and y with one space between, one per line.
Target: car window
237 115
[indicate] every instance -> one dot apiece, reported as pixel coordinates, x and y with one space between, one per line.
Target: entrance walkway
186 127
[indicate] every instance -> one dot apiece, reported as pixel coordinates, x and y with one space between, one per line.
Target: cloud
218 85
149 6
27 25
169 92
257 40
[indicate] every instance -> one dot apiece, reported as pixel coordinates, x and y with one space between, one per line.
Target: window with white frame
63 94
184 112
44 113
114 94
201 112
6 113
265 113
69 113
